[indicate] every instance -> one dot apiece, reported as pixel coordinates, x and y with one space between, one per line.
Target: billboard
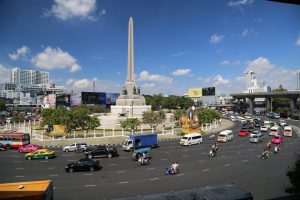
93 98
195 92
50 101
111 98
75 100
209 91
63 100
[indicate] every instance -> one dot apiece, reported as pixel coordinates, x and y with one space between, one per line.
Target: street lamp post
132 109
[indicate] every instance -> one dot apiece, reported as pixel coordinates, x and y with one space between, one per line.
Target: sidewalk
226 124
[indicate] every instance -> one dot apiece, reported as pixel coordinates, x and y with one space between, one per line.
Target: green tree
179 113
294 176
284 111
154 118
92 123
2 105
207 115
130 124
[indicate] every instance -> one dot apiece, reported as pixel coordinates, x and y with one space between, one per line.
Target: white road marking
124 182
87 174
167 152
153 179
185 150
53 175
20 168
19 176
203 153
70 160
65 155
200 161
17 161
44 161
164 159
180 175
227 165
205 170
122 157
120 172
51 168
186 156
245 160
151 168
112 164
90 186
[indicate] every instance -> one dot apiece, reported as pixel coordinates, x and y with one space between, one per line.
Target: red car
29 148
278 139
244 132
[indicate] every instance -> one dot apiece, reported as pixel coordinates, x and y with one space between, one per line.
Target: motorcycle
212 136
171 171
265 155
145 161
212 153
276 150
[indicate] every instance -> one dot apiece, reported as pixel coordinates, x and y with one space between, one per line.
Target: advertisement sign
195 92
75 100
27 99
102 98
209 91
63 100
111 98
93 98
50 101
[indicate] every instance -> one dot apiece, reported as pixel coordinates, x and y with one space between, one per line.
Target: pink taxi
29 148
278 139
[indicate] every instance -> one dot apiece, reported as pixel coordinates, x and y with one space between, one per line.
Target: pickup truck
102 151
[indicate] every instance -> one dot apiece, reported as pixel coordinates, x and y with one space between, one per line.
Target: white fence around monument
103 133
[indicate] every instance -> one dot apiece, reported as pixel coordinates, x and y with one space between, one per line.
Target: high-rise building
250 77
253 85
29 77
298 80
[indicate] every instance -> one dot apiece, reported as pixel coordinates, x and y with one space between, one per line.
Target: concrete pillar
293 104
268 100
251 106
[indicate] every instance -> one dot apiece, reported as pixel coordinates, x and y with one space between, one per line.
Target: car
255 133
282 123
232 118
264 129
244 132
276 116
29 148
72 147
278 139
275 130
288 131
40 154
256 138
250 129
102 151
84 164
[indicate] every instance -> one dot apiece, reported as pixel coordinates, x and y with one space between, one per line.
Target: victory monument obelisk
130 102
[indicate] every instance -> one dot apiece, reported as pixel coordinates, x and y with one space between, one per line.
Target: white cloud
261 66
4 74
146 76
227 62
79 85
181 72
180 54
245 32
298 40
240 3
67 9
216 38
21 52
147 85
219 80
52 58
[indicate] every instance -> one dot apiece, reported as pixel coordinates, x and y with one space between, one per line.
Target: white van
232 118
287 131
225 136
274 130
267 124
192 138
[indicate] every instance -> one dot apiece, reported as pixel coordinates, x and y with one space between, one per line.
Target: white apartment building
29 77
253 85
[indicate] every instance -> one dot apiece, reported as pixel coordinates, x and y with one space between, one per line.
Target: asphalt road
237 162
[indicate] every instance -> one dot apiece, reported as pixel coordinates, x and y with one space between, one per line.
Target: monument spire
130 66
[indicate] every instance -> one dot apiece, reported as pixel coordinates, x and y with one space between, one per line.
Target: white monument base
129 111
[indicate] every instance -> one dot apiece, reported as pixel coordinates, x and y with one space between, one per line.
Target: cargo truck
137 141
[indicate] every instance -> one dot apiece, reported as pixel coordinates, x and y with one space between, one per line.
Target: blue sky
178 44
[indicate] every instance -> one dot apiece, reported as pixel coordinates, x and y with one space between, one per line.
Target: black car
84 164
257 124
102 151
250 129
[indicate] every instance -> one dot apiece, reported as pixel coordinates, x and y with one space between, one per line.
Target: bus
39 190
14 139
